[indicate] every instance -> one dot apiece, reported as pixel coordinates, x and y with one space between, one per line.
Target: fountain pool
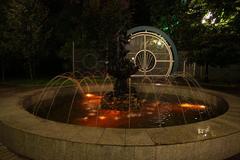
155 105
39 138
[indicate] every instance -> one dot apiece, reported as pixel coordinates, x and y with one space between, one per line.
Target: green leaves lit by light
208 19
165 29
190 11
169 24
220 20
196 6
224 20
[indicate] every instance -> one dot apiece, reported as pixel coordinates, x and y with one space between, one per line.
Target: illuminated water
165 110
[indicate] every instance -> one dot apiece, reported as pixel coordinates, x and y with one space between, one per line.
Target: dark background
36 35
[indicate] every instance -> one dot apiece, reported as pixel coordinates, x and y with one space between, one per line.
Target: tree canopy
207 30
36 35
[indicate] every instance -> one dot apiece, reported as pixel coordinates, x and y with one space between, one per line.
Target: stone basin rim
38 138
20 97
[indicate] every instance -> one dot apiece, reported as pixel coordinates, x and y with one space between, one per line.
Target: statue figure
121 68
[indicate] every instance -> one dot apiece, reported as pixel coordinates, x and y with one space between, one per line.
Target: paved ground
5 91
5 154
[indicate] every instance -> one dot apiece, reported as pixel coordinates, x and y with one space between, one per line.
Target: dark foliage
36 35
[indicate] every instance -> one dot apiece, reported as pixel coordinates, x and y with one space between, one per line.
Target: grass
41 82
25 82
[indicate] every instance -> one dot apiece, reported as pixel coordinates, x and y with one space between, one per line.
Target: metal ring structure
149 31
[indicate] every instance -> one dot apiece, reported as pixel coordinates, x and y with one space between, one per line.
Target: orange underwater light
192 106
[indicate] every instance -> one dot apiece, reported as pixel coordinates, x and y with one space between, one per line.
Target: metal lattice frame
147 59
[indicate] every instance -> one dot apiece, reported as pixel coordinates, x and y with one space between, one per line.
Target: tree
3 46
141 12
7 44
166 14
26 20
209 32
95 28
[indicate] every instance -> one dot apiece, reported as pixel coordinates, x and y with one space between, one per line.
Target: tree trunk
30 67
206 78
201 72
3 71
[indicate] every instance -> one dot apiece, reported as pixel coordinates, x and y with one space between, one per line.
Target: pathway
5 154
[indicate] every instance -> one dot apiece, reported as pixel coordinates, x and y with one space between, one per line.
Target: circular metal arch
157 32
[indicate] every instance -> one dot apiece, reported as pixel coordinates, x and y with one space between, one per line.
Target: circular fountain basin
38 138
154 107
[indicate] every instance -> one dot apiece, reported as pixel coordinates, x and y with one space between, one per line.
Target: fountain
124 104
86 102
99 117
